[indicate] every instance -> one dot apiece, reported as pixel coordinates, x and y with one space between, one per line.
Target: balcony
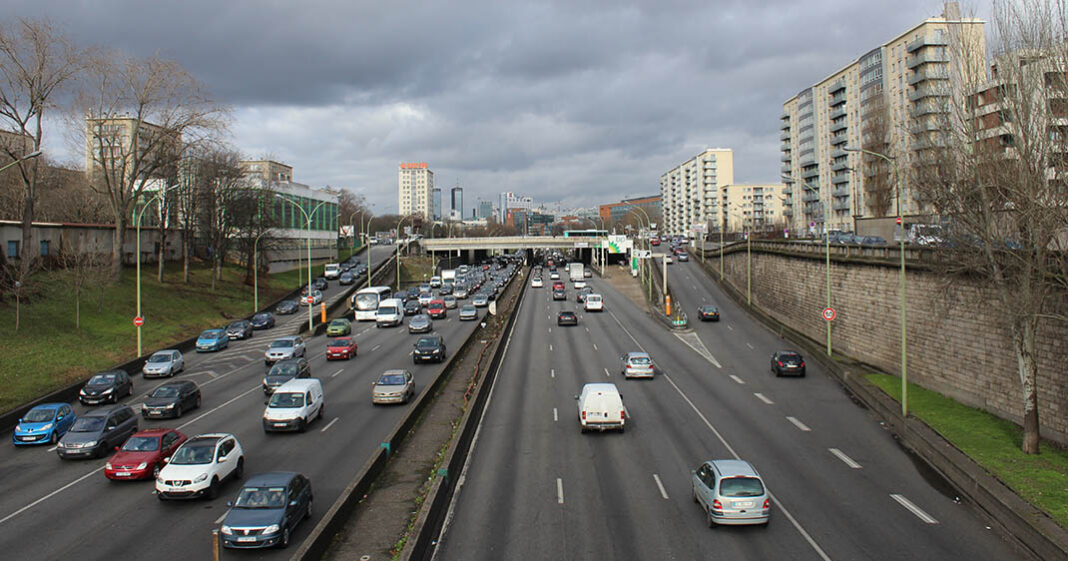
841 205
837 86
839 138
840 179
926 57
840 165
813 171
927 41
839 125
785 136
839 112
808 160
921 109
839 153
784 115
786 169
785 125
926 74
838 99
840 192
785 147
927 91
810 196
785 158
926 125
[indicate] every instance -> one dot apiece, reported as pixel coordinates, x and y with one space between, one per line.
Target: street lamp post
141 214
366 230
603 254
648 247
399 222
308 221
827 247
256 273
901 223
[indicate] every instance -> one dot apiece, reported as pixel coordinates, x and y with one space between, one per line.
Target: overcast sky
582 102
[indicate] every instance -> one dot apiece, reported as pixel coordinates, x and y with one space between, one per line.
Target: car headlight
89 444
142 465
107 465
81 392
226 530
107 391
46 427
170 406
200 478
271 529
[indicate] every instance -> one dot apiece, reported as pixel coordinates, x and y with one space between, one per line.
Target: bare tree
36 64
995 170
141 116
878 182
222 196
85 265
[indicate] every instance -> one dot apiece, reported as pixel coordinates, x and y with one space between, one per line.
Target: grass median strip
994 444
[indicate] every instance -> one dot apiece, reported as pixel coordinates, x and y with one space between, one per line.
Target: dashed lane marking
845 459
559 491
330 424
801 426
555 417
737 379
659 485
764 398
340 370
912 508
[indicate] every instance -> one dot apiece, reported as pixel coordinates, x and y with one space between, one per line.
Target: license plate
743 504
246 539
280 424
26 438
122 473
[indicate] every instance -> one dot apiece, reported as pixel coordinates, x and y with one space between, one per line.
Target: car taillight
716 505
622 415
780 363
802 363
767 504
583 415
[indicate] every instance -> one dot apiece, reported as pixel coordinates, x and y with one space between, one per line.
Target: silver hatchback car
163 363
637 365
731 493
393 386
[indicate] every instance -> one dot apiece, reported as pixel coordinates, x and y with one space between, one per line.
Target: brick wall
956 345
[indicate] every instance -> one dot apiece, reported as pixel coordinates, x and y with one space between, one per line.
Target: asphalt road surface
537 488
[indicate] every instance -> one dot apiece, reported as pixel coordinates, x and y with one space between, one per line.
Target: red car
558 285
141 456
654 242
341 347
436 309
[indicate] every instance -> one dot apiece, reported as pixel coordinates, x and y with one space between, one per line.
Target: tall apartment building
751 207
437 204
266 170
415 189
887 101
117 145
457 200
485 209
510 201
690 193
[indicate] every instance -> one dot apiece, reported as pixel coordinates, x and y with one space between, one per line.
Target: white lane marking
340 370
913 509
606 372
330 424
799 424
559 491
695 287
550 347
748 345
50 495
595 346
221 518
694 342
555 416
587 330
764 398
660 485
841 456
737 379
375 348
729 326
53 449
550 330
552 372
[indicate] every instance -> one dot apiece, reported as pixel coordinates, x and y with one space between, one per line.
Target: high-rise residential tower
415 188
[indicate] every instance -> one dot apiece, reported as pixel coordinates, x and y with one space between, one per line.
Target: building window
13 249
44 248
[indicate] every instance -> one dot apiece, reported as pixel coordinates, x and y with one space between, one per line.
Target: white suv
594 303
283 348
199 466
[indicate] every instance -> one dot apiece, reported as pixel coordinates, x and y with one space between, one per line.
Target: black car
346 279
708 313
559 294
567 318
106 387
320 283
411 307
788 363
286 307
171 399
284 371
98 431
240 329
413 292
276 501
263 320
429 348
580 296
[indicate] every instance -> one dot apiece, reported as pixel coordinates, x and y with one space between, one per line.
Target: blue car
212 340
267 510
44 424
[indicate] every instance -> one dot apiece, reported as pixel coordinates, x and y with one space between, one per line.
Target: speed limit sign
829 314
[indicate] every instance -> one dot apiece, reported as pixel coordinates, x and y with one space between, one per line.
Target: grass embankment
416 270
49 352
993 443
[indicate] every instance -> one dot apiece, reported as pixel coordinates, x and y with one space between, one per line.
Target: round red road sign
899 220
139 321
829 314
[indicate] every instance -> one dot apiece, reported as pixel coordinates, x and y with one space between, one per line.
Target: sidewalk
619 278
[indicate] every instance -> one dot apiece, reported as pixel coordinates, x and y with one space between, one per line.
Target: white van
332 271
600 407
293 405
390 313
594 303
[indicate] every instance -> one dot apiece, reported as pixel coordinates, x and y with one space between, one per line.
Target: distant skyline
581 103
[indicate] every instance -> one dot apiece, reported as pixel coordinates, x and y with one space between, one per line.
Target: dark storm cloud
582 102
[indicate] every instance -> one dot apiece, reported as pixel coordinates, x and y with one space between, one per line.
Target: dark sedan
284 371
420 324
263 320
559 294
106 387
171 399
346 279
286 307
788 363
266 511
411 307
708 313
240 329
429 348
567 318
320 283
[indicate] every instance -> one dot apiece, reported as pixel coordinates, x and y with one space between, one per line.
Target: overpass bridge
510 243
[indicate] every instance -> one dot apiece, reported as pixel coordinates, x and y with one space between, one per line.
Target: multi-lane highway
536 487
56 509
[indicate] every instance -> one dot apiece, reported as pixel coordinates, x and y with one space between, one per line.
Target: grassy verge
993 443
49 351
416 270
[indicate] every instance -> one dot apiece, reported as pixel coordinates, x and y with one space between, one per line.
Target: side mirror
230 504
166 460
220 460
292 503
576 398
116 448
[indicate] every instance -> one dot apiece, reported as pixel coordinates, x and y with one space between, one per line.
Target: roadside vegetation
49 351
1041 479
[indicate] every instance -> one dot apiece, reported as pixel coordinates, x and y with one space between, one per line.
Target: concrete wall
956 344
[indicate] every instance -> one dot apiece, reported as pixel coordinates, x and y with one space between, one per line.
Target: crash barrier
318 541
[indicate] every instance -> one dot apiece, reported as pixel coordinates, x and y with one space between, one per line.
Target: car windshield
102 380
210 334
281 343
39 415
260 317
285 400
261 497
166 391
741 487
159 358
790 357
468 308
640 360
426 342
193 455
238 325
141 444
341 343
283 369
366 301
88 424
338 323
386 310
391 380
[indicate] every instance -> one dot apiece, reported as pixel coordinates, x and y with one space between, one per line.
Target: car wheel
213 488
129 391
708 518
54 438
198 402
308 512
155 471
285 538
303 426
239 471
321 408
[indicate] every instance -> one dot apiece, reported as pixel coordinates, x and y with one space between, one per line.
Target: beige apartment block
115 145
415 189
751 207
690 193
267 171
890 100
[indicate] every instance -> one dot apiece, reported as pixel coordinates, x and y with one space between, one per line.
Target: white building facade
690 193
415 190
